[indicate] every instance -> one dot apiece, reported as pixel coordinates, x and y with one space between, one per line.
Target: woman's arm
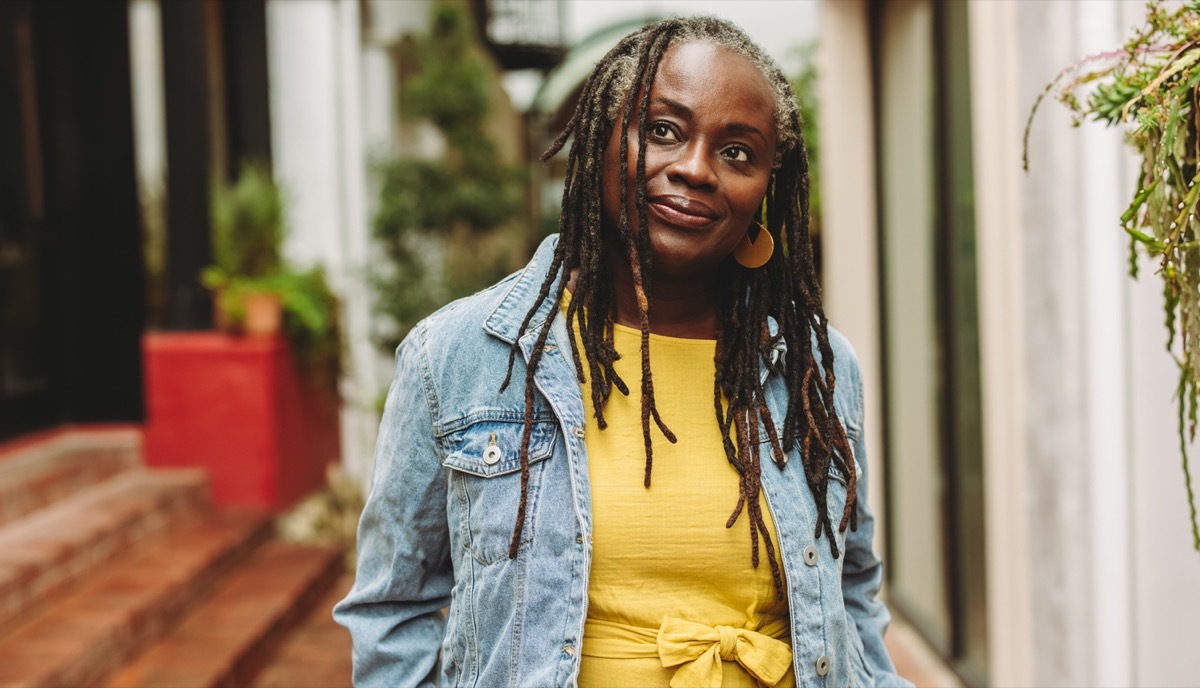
862 572
404 573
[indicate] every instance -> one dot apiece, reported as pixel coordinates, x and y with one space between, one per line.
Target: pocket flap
489 448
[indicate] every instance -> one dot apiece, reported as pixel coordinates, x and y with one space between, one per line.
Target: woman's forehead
710 76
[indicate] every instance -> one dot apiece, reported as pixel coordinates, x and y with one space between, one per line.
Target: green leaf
1153 244
1138 201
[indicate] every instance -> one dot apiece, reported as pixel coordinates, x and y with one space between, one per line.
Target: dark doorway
71 269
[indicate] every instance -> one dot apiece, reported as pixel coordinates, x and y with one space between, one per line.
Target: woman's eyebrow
679 108
687 113
747 128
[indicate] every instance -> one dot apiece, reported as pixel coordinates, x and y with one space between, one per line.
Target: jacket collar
505 321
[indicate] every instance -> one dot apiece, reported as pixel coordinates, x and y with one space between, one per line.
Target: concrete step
36 474
317 653
231 636
127 605
48 551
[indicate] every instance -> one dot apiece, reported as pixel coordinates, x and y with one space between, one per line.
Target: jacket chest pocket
484 479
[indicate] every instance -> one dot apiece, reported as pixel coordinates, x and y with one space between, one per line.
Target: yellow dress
672 597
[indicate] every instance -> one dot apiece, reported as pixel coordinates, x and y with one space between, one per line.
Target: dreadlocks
784 291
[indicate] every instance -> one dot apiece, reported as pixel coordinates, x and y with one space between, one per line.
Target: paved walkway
915 660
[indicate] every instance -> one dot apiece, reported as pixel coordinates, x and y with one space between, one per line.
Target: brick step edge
51 472
84 636
47 553
229 639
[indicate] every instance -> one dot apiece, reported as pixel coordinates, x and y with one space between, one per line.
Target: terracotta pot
264 314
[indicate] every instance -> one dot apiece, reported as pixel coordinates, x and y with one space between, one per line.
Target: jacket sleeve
404 577
862 572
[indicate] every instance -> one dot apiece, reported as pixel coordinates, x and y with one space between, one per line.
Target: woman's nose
693 166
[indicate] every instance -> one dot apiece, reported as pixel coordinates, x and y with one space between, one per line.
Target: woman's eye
738 153
662 130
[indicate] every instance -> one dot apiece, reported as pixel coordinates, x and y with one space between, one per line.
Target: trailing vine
1150 85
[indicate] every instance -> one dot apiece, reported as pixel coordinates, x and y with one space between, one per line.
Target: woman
672 330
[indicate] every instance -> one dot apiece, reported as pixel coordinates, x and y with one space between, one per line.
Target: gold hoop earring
755 254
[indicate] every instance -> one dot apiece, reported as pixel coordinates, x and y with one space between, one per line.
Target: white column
367 372
317 138
149 107
1106 184
303 70
996 125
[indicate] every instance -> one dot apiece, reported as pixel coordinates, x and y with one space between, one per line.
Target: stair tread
222 640
53 471
126 605
102 503
48 551
318 653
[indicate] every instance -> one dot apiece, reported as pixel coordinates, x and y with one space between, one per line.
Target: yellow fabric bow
700 649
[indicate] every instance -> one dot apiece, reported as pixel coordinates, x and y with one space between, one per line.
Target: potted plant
255 291
259 413
247 232
1151 85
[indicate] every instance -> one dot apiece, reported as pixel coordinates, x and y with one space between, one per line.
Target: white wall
1165 584
1166 570
1095 584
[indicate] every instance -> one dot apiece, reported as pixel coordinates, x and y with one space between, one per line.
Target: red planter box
240 408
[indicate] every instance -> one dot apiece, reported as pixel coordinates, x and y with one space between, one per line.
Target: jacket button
491 455
822 665
577 431
569 650
810 555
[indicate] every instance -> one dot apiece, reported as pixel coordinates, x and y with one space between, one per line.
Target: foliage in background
153 207
438 219
247 234
329 517
1150 85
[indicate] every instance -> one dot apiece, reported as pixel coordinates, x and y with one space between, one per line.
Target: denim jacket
439 518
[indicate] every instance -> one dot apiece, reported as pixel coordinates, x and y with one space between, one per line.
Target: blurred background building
1022 433
1037 524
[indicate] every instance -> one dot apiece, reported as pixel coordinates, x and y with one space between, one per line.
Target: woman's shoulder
845 359
847 378
848 393
844 355
457 317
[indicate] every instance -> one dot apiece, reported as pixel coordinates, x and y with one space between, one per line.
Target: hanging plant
1150 87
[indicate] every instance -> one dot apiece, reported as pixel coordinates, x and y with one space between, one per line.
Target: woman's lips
683 211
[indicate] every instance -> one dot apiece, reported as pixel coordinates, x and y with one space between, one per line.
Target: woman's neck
679 306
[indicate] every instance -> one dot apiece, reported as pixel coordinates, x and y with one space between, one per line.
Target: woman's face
710 143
